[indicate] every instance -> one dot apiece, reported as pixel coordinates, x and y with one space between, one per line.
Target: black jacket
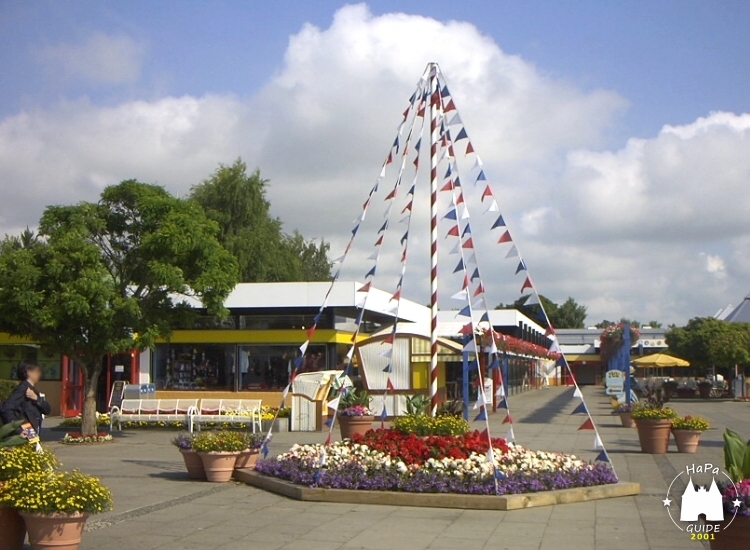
18 407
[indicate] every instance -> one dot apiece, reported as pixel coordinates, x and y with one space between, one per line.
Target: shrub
16 461
423 425
219 442
651 413
736 456
49 492
690 423
6 388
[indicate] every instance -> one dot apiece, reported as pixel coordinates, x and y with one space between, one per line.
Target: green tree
237 202
568 315
707 342
108 276
654 324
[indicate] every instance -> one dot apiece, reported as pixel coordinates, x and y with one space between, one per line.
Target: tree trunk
90 389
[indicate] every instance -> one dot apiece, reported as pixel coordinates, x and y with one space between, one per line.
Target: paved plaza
156 506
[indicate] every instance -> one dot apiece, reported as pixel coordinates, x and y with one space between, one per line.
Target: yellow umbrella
658 360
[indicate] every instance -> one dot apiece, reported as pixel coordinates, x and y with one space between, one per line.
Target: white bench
234 411
152 410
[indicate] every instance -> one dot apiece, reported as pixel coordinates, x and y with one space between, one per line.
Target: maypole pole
434 138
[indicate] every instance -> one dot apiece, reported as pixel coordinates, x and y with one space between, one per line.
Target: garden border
438 500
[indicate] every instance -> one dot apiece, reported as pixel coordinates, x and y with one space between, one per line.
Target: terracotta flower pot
219 466
58 531
687 440
13 529
654 435
627 420
735 537
193 464
351 425
247 459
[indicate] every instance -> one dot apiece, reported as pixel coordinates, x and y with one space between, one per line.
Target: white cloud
100 59
652 230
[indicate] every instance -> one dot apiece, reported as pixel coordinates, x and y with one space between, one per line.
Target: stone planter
687 440
247 459
58 531
219 466
627 420
735 537
193 464
281 425
704 390
351 425
654 435
13 529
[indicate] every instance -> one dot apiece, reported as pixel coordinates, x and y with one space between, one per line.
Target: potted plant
736 495
653 421
624 410
354 413
687 432
219 452
193 463
704 388
56 505
249 455
16 458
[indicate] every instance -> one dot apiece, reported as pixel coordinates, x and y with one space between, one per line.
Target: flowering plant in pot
15 461
354 413
219 452
625 410
56 505
653 421
249 455
611 339
193 463
735 495
687 432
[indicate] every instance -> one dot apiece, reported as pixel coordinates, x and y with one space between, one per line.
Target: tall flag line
480 181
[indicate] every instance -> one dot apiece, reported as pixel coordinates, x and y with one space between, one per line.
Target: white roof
498 318
294 295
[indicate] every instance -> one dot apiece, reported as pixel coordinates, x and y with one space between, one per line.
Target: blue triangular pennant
521 267
500 222
316 319
467 229
411 190
418 144
481 176
485 317
503 404
264 449
495 363
451 215
445 92
602 457
481 415
465 312
580 409
475 275
356 228
460 266
396 144
383 227
316 476
298 362
457 182
448 172
388 368
499 474
371 272
384 414
329 422
462 135
406 236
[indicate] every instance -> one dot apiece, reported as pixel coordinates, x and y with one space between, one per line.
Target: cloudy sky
615 136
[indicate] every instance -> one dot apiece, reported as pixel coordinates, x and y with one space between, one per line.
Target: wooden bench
234 411
152 410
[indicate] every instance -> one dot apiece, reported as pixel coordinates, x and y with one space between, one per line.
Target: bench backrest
184 405
130 406
226 406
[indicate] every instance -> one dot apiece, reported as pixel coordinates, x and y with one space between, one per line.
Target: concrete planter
58 531
687 440
247 459
219 466
654 435
351 425
193 464
13 529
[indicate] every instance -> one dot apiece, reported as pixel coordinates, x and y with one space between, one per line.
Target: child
24 403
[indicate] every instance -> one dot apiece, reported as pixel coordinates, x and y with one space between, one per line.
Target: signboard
118 391
119 368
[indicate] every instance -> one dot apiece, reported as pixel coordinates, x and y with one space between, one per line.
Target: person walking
25 402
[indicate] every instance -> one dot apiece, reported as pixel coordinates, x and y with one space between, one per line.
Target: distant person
25 403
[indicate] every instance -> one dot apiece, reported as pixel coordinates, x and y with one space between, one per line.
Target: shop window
12 354
269 367
194 367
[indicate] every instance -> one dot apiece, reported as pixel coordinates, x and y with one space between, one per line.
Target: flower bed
386 460
77 438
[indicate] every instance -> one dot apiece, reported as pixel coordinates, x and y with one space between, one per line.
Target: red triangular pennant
505 238
588 425
406 112
468 244
508 419
379 241
453 231
466 281
403 256
448 186
479 290
420 112
467 329
310 332
388 339
396 295
526 284
450 106
389 385
460 198
407 207
486 193
469 148
389 159
366 287
390 195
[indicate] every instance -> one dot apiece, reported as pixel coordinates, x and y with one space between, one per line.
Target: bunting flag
508 419
598 445
303 347
480 416
264 448
577 393
389 385
521 267
580 409
451 215
460 266
526 284
500 222
465 312
329 422
512 253
510 435
502 404
388 368
587 425
505 238
453 232
333 403
461 295
602 457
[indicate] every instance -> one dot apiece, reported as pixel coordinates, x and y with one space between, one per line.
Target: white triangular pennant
456 249
500 391
350 353
333 404
471 346
512 253
598 445
510 436
533 299
578 393
373 256
490 455
479 304
493 207
464 213
405 219
461 295
387 353
303 347
455 120
338 260
285 392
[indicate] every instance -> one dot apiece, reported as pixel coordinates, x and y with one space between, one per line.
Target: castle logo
701 510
